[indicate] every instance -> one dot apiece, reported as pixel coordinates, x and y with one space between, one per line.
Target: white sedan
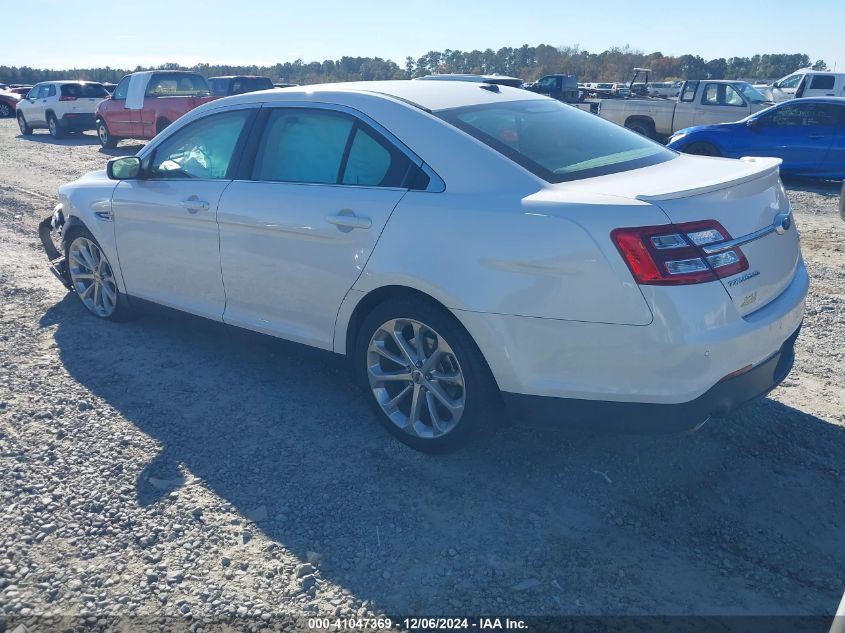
465 245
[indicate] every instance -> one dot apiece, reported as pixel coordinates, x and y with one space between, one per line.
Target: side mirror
124 168
752 123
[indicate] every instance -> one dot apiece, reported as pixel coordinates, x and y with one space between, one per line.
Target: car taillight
64 98
669 254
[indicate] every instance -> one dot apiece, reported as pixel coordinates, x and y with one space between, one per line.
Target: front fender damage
48 228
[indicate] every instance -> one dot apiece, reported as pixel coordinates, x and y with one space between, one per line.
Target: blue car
808 134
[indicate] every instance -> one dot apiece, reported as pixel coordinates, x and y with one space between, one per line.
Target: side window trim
148 154
435 185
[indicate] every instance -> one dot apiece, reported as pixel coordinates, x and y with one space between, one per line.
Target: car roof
428 95
63 82
834 100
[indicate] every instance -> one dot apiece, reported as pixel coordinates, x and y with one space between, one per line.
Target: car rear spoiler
766 166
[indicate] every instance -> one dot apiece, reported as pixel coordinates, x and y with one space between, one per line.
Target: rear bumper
77 121
723 398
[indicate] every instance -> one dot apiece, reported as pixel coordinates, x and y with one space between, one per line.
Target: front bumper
721 399
58 263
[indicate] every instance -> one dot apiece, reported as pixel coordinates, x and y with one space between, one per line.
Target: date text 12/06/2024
412 624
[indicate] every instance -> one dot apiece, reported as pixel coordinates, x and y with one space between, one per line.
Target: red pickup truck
145 103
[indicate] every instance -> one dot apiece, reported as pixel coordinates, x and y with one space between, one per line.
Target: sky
149 32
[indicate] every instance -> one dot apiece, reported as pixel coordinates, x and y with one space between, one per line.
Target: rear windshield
219 87
84 91
177 85
241 85
555 141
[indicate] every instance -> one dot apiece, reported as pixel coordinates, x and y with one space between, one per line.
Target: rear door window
324 147
373 162
822 82
804 114
300 145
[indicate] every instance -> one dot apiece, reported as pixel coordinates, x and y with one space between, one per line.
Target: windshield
751 93
555 141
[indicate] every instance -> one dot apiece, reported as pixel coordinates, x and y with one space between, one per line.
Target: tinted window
241 85
122 89
84 91
302 146
203 149
555 141
219 87
822 82
177 85
803 114
547 83
374 162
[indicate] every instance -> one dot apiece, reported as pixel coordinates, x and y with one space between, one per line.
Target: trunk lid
745 196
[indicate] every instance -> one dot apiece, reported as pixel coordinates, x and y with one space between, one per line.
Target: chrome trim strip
780 225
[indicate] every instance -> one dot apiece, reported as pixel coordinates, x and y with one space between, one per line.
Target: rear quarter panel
505 253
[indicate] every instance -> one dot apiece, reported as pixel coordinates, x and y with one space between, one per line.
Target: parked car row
140 106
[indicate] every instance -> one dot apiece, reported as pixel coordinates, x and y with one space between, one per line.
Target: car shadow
72 139
78 139
745 515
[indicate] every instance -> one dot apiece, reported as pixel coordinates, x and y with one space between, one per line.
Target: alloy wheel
5 110
416 378
103 133
92 277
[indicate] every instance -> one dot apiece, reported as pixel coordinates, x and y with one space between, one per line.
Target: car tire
53 126
456 397
104 136
23 125
702 148
6 111
643 128
161 125
88 267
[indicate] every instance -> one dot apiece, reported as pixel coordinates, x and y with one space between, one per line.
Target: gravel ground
173 467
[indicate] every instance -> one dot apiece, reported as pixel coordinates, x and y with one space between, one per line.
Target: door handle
194 204
349 221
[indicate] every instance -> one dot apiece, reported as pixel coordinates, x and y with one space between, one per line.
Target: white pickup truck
700 102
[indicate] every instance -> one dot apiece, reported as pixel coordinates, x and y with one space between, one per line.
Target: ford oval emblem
782 223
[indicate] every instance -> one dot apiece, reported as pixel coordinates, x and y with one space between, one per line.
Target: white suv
60 106
807 83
